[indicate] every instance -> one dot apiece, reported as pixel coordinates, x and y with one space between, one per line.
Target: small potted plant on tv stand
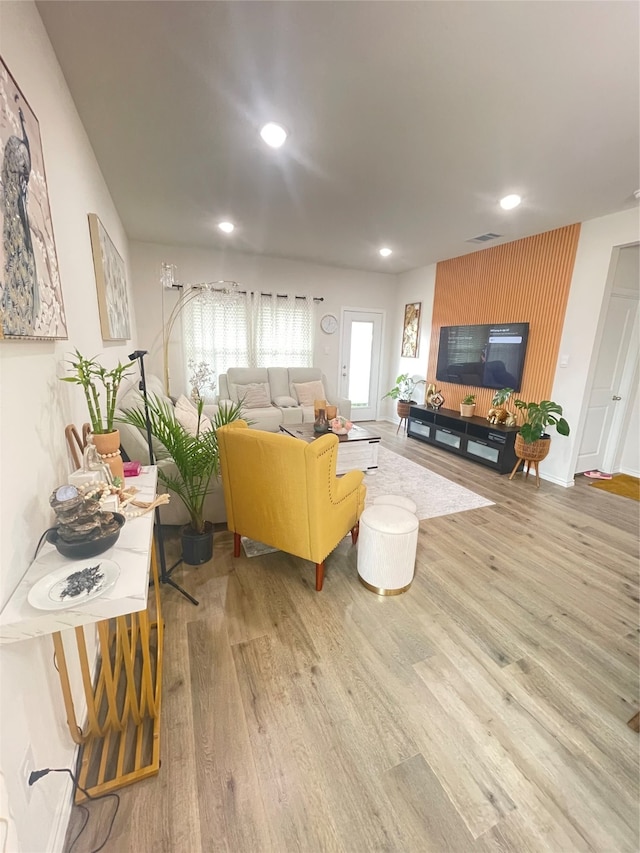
468 406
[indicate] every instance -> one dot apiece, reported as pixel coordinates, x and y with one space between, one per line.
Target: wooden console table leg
121 739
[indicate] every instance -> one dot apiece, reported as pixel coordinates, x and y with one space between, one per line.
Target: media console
474 438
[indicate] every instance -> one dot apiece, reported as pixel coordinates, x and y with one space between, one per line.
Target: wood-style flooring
484 710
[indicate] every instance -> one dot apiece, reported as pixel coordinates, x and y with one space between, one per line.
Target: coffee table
357 451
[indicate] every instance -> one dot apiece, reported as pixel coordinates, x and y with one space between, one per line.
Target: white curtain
248 330
282 331
216 331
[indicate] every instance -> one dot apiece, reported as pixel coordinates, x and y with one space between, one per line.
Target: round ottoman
396 500
387 549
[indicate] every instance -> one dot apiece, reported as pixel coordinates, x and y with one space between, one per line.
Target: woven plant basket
403 407
534 452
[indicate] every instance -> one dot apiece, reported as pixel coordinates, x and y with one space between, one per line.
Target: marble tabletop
20 621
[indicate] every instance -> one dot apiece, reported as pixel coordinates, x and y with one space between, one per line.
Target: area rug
252 548
433 495
620 484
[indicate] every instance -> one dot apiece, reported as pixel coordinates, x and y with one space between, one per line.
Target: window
248 330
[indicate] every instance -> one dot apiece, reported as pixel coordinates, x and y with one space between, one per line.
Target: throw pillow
255 395
307 392
285 402
187 416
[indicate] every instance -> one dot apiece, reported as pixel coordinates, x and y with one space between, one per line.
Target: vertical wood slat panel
526 281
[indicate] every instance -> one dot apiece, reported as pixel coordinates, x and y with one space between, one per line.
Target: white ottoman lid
389 519
396 500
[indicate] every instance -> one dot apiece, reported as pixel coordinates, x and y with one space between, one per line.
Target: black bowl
82 550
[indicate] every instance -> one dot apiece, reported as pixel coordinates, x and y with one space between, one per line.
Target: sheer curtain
215 329
282 330
248 330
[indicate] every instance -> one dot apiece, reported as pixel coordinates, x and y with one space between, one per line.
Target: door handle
615 397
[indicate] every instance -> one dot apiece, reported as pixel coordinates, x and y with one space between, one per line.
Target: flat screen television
490 355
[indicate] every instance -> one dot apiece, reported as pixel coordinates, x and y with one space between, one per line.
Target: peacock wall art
31 304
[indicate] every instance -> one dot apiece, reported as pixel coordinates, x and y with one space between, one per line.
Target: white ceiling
408 120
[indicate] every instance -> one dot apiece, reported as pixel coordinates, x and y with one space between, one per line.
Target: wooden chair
75 443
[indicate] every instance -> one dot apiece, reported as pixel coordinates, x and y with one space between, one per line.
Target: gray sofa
134 443
281 393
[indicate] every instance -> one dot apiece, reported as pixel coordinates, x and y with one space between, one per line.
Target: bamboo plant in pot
197 462
402 391
87 372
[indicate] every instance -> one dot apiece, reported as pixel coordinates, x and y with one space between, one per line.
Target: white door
610 392
360 366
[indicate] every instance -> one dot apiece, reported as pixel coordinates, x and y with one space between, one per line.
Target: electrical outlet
26 767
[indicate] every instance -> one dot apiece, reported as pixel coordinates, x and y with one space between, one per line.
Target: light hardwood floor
483 710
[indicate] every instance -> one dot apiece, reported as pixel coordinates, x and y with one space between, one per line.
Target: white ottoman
396 500
387 549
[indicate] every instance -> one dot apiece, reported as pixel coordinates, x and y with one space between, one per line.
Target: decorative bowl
340 425
92 547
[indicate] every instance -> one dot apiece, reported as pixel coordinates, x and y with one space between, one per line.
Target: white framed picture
111 284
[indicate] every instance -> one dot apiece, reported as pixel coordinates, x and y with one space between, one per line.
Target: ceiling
408 120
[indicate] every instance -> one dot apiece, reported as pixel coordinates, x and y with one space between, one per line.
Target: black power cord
35 775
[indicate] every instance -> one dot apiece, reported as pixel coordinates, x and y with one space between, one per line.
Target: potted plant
196 460
468 406
532 442
87 372
402 391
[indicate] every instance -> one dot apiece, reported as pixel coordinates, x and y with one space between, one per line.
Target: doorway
616 369
360 349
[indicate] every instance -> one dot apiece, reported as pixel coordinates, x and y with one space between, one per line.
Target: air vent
484 238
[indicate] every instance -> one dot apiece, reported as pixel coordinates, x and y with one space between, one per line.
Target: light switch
564 360
326 350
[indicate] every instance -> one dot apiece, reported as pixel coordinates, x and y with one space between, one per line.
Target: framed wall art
411 330
111 283
31 305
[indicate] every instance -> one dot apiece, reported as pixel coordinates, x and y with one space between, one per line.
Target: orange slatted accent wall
524 281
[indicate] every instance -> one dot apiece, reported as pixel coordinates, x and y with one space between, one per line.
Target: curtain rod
243 292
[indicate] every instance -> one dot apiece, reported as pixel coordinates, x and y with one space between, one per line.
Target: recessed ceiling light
510 201
227 227
385 252
273 134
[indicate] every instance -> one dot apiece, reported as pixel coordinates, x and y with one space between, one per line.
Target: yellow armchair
284 492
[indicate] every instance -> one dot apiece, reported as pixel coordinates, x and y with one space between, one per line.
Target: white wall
35 408
598 237
338 287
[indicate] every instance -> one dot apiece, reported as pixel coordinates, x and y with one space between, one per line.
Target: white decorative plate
92 576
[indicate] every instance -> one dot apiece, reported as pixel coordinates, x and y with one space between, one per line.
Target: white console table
120 738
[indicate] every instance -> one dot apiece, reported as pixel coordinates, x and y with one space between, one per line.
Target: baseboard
63 813
566 484
630 472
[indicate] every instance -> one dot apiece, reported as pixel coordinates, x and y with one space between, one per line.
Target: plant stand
403 409
532 454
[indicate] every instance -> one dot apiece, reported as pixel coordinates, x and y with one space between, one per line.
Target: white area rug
433 495
252 548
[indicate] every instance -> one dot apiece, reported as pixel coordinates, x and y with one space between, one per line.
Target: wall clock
329 324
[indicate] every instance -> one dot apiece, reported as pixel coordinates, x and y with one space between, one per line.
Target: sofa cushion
255 395
307 392
285 402
244 376
186 414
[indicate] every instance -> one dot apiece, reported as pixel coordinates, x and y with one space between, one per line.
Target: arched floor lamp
227 289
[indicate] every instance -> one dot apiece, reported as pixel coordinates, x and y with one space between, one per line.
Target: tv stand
474 438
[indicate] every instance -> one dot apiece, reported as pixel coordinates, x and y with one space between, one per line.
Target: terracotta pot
467 410
108 446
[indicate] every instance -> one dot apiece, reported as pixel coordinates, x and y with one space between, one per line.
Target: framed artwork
31 305
411 330
111 282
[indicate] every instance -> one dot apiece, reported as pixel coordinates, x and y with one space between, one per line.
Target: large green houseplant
196 460
89 374
538 417
402 391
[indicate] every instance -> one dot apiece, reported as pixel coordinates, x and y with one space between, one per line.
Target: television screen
483 356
